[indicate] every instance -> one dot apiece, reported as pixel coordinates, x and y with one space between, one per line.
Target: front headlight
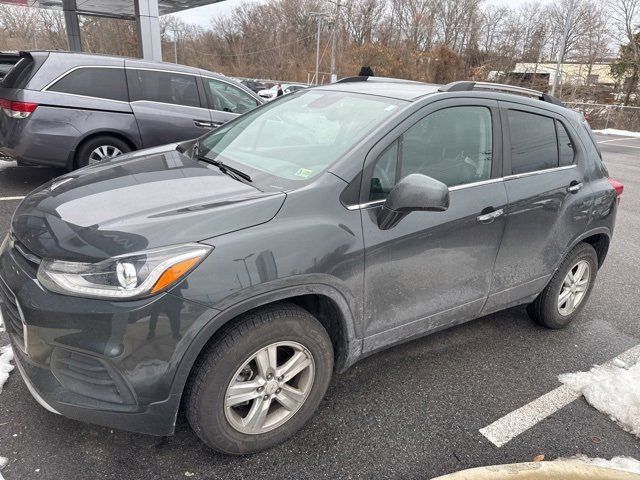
125 277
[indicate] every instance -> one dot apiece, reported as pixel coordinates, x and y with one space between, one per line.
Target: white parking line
618 139
513 424
10 198
626 146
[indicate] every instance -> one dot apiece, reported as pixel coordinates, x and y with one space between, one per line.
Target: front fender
249 301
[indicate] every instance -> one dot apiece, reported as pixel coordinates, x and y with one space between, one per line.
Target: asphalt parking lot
414 411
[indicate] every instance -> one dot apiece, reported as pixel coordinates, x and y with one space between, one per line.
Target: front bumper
109 363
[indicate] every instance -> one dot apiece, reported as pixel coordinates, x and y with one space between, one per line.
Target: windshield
301 135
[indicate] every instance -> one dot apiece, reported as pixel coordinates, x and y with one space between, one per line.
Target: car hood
136 203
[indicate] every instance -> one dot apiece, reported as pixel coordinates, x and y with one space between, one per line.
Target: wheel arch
598 238
72 163
324 302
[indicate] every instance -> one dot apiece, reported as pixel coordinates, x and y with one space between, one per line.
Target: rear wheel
100 148
568 291
260 381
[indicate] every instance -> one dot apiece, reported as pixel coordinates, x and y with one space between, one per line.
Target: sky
203 15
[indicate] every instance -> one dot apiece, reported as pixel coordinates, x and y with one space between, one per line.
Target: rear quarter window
107 83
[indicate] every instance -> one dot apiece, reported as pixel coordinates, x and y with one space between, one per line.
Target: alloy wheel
103 152
269 388
574 288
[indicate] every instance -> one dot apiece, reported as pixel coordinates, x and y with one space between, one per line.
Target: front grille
11 313
27 254
89 377
28 260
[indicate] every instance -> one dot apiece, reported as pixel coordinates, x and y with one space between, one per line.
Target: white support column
72 25
147 13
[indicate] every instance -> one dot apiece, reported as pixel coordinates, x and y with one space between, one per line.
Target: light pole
563 45
175 44
334 41
318 16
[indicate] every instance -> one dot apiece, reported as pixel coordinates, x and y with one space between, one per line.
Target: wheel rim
574 288
103 152
269 388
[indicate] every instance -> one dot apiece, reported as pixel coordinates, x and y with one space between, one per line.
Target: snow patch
626 464
2 329
614 389
622 133
3 463
6 355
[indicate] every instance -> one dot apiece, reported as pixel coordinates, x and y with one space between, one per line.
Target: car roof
412 90
384 87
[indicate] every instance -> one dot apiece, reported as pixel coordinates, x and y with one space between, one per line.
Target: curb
566 470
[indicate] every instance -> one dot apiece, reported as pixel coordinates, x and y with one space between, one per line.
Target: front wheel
567 292
260 381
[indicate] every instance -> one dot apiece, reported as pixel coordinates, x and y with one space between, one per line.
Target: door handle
216 124
490 216
574 187
203 124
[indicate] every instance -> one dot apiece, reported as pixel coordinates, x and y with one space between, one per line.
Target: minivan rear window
105 82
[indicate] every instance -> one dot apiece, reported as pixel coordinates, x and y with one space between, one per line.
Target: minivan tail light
15 109
618 187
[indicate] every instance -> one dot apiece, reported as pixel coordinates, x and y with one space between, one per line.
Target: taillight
15 109
618 187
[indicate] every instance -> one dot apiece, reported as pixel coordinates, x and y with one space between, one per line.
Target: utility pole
318 16
334 42
563 45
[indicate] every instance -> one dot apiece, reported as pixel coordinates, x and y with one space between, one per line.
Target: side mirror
413 192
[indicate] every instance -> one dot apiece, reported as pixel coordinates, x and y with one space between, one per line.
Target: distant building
572 73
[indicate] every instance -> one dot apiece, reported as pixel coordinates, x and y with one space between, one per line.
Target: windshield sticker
304 172
390 108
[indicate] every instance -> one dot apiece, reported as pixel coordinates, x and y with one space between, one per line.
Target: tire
547 308
225 361
106 143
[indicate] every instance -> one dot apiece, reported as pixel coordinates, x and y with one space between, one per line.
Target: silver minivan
68 110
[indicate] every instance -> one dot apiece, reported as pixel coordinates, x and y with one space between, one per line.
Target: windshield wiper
232 172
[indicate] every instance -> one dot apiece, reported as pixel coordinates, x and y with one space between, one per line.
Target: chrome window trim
68 72
62 75
86 96
539 172
172 104
474 184
366 204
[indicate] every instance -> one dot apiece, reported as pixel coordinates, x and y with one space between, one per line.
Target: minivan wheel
100 148
568 291
260 381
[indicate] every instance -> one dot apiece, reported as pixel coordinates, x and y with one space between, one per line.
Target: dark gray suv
68 109
234 274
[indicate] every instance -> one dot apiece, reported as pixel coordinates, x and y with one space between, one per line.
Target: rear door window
164 87
107 83
533 142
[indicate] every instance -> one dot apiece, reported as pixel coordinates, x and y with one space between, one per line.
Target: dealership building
144 12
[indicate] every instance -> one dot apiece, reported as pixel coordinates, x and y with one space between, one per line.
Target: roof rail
466 86
375 80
